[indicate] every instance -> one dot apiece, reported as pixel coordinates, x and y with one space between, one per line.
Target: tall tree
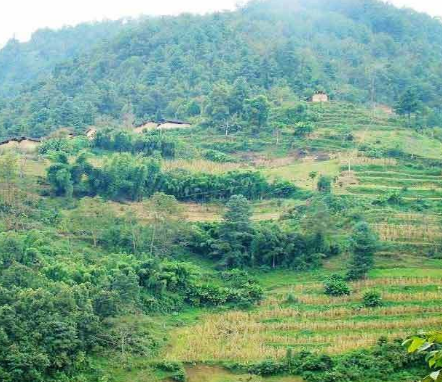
364 243
166 216
235 234
257 111
408 104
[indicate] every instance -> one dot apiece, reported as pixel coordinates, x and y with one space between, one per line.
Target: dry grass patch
202 166
358 159
408 232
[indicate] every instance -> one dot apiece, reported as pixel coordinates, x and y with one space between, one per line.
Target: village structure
20 143
320 96
166 124
30 144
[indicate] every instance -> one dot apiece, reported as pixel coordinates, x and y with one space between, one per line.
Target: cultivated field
313 321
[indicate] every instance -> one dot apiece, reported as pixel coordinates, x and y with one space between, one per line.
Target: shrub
218 156
372 299
268 367
291 299
171 366
179 376
335 285
314 362
325 184
177 368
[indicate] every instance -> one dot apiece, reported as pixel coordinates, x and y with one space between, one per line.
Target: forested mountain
356 50
266 238
22 62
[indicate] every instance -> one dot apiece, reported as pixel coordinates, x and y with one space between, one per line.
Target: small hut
165 124
91 133
320 97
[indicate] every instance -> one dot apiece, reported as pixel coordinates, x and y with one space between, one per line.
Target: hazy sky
22 17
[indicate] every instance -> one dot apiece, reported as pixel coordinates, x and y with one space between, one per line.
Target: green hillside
395 187
174 67
190 215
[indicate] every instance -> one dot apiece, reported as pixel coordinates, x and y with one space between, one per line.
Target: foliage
218 156
364 244
324 184
428 343
408 104
124 176
335 285
372 299
69 146
146 144
376 364
235 233
181 67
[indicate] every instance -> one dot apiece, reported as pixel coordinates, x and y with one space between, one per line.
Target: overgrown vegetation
269 236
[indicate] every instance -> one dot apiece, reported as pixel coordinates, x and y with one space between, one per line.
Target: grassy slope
408 280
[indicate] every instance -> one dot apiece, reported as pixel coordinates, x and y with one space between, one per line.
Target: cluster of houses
31 144
28 144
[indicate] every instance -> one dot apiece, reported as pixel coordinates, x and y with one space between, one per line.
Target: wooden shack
319 96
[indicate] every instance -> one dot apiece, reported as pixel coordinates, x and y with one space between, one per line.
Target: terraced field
314 321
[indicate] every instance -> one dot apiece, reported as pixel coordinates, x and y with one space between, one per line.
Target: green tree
218 106
364 244
257 112
312 176
372 299
235 234
324 184
336 286
303 129
166 217
408 104
238 94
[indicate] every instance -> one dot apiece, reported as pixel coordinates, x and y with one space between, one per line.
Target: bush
177 368
179 376
325 184
335 285
267 368
291 299
218 156
372 299
171 366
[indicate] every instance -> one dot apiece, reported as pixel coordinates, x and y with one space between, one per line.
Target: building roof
19 140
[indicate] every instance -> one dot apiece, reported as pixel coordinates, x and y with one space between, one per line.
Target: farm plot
376 181
309 320
400 184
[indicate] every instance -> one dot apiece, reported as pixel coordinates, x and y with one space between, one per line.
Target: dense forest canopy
356 50
23 62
